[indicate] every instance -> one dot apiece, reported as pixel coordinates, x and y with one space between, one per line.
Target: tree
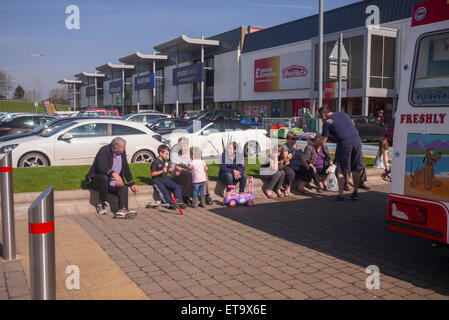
59 96
6 83
19 92
29 96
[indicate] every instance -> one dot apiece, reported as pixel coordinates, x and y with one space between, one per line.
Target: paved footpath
304 247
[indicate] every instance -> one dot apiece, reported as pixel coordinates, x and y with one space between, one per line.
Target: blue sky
113 29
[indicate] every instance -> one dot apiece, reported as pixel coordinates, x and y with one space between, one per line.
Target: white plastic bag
332 183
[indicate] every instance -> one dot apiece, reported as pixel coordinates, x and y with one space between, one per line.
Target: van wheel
33 159
143 156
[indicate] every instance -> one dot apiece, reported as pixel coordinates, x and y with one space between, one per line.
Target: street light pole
34 55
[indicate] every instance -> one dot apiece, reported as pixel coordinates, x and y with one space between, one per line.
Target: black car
168 125
23 123
214 115
370 129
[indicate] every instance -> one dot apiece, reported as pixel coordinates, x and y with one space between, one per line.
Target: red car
389 132
98 112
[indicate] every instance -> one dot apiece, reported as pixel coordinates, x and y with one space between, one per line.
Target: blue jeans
228 179
198 187
168 183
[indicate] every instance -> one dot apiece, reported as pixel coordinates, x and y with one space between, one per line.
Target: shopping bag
332 183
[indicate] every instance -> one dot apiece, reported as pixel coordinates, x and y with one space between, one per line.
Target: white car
213 136
77 142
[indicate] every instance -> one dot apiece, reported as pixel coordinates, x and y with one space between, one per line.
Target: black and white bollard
42 247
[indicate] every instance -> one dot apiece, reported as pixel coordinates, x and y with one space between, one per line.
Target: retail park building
270 72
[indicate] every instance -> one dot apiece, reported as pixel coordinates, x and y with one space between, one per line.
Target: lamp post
34 55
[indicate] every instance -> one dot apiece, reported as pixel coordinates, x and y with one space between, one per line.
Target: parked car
144 117
213 136
389 131
213 115
77 142
370 129
8 115
52 125
23 123
98 112
252 121
190 114
168 125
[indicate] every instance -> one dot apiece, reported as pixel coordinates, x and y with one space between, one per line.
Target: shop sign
188 74
115 86
331 90
285 72
143 82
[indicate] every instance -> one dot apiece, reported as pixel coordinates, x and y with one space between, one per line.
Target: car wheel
143 156
33 159
251 149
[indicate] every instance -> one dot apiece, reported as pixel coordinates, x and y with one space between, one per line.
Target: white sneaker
101 209
125 214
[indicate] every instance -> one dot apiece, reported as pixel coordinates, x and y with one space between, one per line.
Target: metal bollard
42 246
7 196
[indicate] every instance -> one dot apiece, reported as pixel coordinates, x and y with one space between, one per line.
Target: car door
362 126
86 140
135 139
212 143
376 129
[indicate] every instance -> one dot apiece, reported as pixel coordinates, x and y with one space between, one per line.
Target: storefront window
160 86
354 48
383 55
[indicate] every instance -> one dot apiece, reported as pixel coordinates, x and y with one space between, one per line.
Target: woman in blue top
232 168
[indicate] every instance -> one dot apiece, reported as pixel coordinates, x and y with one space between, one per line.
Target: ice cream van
418 203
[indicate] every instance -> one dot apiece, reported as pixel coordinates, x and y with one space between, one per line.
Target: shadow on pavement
354 231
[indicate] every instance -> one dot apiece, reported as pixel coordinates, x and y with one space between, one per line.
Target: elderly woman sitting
183 176
314 162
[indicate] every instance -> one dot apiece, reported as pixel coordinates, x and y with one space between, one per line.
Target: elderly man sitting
107 175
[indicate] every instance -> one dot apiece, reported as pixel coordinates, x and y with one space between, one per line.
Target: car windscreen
51 130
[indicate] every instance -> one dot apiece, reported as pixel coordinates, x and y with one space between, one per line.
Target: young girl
199 177
273 170
382 158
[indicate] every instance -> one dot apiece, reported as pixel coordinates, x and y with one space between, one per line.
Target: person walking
348 155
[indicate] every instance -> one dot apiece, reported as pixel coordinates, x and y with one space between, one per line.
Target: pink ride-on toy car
232 198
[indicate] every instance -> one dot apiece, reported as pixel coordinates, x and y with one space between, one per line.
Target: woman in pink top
198 169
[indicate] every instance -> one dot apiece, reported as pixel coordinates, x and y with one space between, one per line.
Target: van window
430 85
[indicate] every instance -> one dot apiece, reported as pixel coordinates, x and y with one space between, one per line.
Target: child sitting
198 168
159 170
382 159
273 171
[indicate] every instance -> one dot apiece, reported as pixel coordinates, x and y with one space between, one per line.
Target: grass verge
72 177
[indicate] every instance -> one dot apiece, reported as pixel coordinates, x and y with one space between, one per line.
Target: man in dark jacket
348 155
107 175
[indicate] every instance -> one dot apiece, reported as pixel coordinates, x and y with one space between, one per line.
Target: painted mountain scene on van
420 147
